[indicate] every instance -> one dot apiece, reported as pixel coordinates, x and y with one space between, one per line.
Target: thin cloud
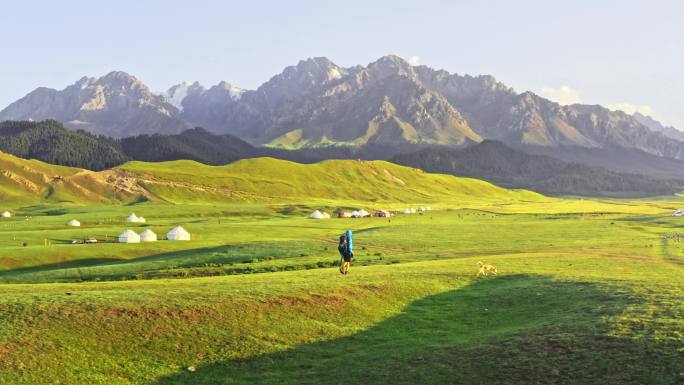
632 108
563 95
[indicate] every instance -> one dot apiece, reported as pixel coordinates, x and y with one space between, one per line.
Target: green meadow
587 292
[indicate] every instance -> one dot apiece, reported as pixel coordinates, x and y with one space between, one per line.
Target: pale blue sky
604 52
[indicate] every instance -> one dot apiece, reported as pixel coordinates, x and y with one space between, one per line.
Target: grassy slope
546 319
32 181
277 180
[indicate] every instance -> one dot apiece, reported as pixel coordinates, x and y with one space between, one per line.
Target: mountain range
317 103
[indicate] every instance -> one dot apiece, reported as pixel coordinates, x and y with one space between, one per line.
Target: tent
133 218
148 236
178 234
409 211
678 213
355 214
318 215
383 214
6 214
129 236
74 223
325 215
142 220
343 214
363 213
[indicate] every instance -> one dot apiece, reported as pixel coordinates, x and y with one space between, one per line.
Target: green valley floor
587 292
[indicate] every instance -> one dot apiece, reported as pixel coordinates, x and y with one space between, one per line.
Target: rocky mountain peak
390 65
120 79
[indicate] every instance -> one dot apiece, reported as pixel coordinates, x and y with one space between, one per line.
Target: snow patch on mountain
234 92
334 73
176 94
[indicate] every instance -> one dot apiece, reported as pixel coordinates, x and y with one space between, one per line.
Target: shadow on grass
510 330
73 264
236 257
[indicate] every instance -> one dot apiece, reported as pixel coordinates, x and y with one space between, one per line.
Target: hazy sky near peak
624 54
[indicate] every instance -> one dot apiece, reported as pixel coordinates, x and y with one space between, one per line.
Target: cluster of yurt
135 219
424 209
409 210
317 214
178 233
6 214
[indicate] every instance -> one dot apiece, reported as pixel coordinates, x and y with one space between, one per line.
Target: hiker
346 251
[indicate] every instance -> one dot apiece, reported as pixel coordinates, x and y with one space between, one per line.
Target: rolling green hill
267 179
249 180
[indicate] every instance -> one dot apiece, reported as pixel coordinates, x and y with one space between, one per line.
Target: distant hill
252 180
194 144
50 142
497 163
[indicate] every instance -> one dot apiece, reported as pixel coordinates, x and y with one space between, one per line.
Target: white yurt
317 215
178 234
325 215
133 218
142 220
148 236
129 236
6 214
678 213
409 211
363 213
355 214
74 223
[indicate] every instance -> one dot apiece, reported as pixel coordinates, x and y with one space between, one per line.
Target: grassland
588 291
